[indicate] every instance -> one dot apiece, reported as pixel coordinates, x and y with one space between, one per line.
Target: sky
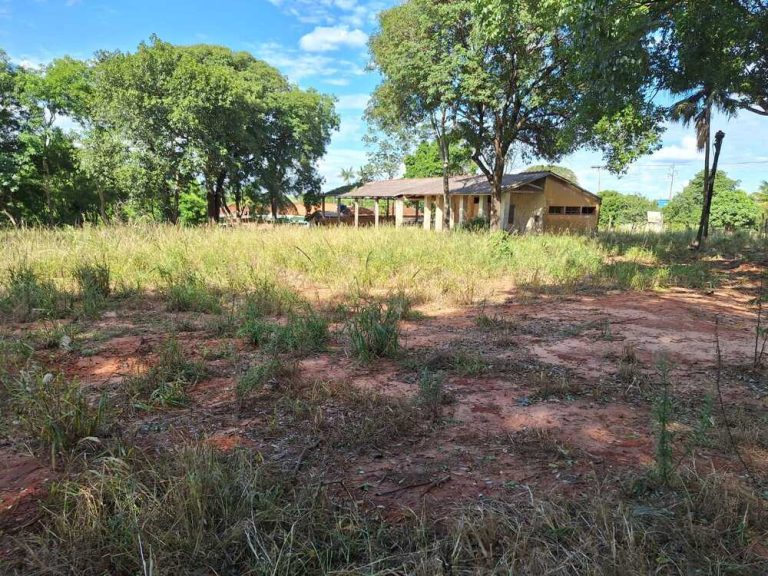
322 44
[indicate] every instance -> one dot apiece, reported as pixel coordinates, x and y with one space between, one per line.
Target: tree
761 197
561 171
731 207
708 55
206 112
60 90
617 209
500 76
426 161
348 175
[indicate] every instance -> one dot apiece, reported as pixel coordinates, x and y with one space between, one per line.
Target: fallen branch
302 456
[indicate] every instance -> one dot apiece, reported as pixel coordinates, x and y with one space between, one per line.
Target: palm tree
697 108
348 175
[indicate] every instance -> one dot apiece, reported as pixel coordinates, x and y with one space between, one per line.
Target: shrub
269 299
374 332
27 296
55 411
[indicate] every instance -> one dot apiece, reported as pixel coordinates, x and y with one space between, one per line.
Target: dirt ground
562 396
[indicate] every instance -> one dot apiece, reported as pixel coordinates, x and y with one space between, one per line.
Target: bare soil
550 409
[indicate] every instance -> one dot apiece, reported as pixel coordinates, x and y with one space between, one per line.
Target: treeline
732 207
165 133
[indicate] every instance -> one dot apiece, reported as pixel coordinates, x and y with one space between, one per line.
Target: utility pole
672 172
598 168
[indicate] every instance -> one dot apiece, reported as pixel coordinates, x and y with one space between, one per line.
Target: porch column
375 212
357 213
427 212
439 211
462 210
399 202
452 217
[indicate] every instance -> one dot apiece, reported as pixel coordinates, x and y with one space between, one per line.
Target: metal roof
458 185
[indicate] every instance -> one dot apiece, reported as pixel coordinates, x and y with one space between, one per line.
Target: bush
374 332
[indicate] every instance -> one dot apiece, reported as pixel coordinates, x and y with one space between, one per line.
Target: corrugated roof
458 185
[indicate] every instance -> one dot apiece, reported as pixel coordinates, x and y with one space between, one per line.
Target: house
530 201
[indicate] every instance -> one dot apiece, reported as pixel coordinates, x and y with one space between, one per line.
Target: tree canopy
617 209
425 161
731 207
158 128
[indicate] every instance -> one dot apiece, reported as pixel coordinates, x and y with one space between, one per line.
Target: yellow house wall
557 193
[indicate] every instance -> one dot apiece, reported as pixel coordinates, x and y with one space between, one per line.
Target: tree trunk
102 205
711 190
273 206
705 198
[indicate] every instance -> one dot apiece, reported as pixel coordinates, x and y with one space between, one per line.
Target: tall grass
456 267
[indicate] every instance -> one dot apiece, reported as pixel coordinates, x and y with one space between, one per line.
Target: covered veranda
469 198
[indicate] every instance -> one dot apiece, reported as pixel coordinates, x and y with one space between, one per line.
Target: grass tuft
374 332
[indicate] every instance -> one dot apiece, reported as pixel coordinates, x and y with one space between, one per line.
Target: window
573 209
511 214
476 200
556 209
587 209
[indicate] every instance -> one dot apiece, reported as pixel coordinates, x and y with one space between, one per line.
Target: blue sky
322 44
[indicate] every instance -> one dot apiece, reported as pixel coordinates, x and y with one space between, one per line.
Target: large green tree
206 112
500 75
617 209
731 207
707 55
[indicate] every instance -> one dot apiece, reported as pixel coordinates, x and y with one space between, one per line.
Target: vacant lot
285 401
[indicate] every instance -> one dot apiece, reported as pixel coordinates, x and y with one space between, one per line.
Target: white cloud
329 38
336 160
353 102
294 63
684 151
337 81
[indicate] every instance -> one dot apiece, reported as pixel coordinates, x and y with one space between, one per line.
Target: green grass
373 332
192 265
54 412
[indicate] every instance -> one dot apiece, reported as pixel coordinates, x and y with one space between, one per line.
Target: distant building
530 201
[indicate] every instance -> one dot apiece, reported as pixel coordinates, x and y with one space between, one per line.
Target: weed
302 334
663 415
432 395
28 296
186 292
374 332
258 376
269 299
54 335
93 281
55 412
166 382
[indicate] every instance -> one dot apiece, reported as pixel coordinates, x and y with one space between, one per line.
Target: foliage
617 209
731 208
561 171
187 292
154 124
426 162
